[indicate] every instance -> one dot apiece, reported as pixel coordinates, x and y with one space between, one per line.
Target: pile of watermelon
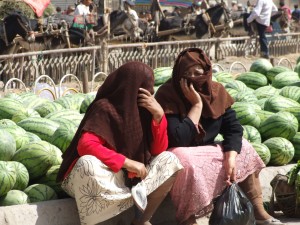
34 133
267 104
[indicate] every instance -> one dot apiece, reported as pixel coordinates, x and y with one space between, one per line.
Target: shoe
271 221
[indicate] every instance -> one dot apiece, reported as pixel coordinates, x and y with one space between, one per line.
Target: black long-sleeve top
182 132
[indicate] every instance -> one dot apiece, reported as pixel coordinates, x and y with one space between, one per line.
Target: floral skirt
101 194
203 177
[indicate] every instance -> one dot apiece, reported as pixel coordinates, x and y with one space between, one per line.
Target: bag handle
271 207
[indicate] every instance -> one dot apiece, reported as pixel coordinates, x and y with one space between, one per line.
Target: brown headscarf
115 116
214 96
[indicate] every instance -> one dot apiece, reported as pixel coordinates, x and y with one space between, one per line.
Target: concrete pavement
64 211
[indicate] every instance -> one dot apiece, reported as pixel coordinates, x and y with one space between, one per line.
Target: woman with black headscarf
197 110
120 143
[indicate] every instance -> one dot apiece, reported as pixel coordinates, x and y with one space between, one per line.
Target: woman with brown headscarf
120 143
197 110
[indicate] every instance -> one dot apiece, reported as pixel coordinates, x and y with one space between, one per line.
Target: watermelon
37 157
223 76
7 145
252 79
251 134
34 101
297 69
261 66
48 107
246 114
9 107
162 74
40 192
71 101
7 177
261 102
263 151
88 99
50 179
19 135
291 92
282 151
271 73
14 197
18 116
65 122
280 103
6 123
22 175
63 136
263 115
281 124
32 137
245 96
232 92
42 127
285 78
236 85
266 92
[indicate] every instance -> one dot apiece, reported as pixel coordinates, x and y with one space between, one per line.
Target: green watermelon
63 136
291 92
71 101
263 151
88 99
9 107
280 103
253 79
18 116
162 74
266 92
285 78
22 176
282 151
14 197
48 107
19 135
7 177
251 134
281 124
296 143
40 192
261 66
7 145
271 73
37 157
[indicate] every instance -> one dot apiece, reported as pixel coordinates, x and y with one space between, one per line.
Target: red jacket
91 144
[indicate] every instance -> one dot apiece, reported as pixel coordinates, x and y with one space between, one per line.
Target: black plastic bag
232 208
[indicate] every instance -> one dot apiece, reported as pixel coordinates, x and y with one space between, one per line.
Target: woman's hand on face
135 167
146 100
229 163
190 93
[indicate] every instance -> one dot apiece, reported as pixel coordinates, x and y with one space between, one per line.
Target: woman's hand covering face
190 93
146 100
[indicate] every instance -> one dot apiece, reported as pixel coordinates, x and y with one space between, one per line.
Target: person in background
120 144
197 110
129 8
70 10
238 14
296 19
285 18
176 12
234 6
261 16
58 10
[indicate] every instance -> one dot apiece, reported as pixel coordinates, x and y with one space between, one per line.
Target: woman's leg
252 189
154 200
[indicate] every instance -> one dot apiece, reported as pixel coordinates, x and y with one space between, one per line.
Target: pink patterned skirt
203 177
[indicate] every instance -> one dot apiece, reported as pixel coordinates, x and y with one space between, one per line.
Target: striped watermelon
7 177
7 145
162 74
246 115
253 79
50 179
285 78
223 76
37 157
9 107
48 107
263 151
34 101
282 151
18 116
42 127
245 96
63 136
71 101
266 92
280 103
32 137
236 85
291 92
271 73
297 69
261 102
40 192
87 101
19 135
232 92
296 143
65 122
251 134
22 176
261 66
263 115
14 197
281 124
